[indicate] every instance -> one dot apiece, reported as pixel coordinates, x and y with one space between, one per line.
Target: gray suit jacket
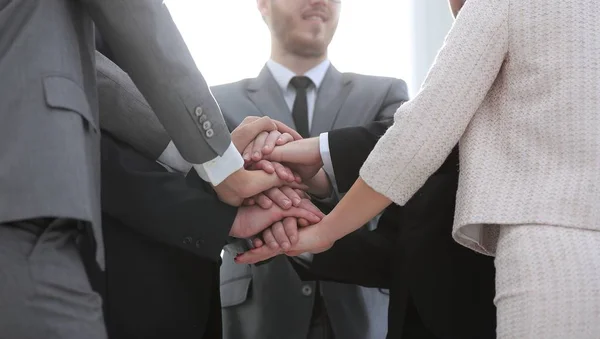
270 301
49 140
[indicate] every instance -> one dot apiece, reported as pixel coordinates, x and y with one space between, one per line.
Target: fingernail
293 238
297 201
287 203
285 245
246 157
256 155
267 147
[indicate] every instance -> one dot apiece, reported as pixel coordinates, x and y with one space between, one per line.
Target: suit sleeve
148 46
123 109
167 207
350 147
426 129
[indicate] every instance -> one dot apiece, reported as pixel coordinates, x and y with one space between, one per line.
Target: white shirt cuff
218 169
173 159
326 158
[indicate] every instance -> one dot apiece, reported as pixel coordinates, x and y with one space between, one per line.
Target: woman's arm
427 128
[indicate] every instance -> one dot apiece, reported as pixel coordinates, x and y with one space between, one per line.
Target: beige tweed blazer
517 85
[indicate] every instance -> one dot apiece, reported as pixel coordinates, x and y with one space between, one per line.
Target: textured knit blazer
517 85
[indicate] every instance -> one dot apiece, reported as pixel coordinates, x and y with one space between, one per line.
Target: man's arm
180 211
364 256
125 113
148 46
162 205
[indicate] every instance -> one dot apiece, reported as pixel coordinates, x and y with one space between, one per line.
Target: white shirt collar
283 75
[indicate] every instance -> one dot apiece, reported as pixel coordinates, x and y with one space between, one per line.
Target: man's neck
296 63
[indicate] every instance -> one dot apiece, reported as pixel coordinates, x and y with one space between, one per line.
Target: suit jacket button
198 111
210 133
206 125
199 243
306 290
202 119
187 240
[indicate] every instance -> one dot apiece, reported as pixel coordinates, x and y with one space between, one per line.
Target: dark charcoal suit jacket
163 237
449 287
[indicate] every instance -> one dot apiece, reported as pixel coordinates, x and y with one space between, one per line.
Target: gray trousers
44 289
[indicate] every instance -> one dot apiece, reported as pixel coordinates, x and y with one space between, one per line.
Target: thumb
244 134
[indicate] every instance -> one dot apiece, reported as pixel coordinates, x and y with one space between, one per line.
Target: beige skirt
548 282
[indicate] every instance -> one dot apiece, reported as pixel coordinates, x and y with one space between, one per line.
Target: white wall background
397 38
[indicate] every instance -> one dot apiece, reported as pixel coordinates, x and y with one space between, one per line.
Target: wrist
327 229
319 185
228 191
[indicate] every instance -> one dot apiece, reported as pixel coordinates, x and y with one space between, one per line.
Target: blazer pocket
235 292
65 94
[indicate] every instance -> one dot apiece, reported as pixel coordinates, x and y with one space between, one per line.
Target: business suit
163 235
253 297
438 289
49 142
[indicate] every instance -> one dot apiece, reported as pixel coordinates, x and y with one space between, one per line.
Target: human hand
244 184
284 234
284 197
251 220
283 172
302 156
264 144
251 127
311 239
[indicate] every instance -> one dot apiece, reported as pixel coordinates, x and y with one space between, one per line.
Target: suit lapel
332 93
266 95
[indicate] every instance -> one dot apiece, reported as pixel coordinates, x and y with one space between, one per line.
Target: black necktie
300 108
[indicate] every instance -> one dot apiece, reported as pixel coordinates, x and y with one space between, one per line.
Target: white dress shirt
283 76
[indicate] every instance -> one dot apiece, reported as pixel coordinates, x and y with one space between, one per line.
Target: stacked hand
272 196
246 183
279 169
